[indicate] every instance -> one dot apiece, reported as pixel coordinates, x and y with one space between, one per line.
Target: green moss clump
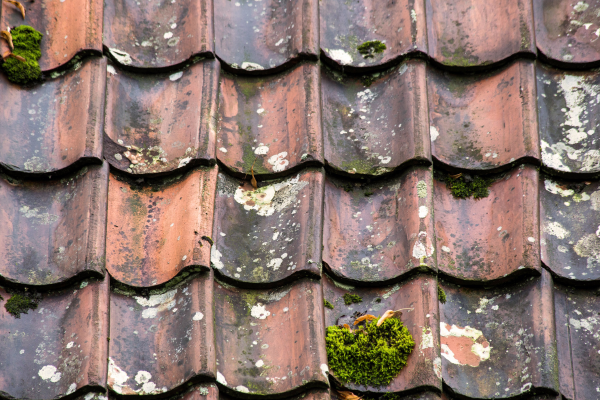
327 304
441 295
352 298
19 304
370 48
27 45
371 356
465 186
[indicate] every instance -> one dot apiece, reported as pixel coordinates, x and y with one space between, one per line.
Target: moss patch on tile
351 299
328 304
370 48
441 295
20 304
27 43
370 356
463 186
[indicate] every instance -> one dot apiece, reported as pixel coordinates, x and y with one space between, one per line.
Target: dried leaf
346 395
18 5
253 180
391 314
12 55
8 37
367 317
347 327
456 176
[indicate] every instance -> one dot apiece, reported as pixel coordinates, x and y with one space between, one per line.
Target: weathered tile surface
270 125
157 34
400 25
159 342
486 120
49 127
418 299
265 236
158 229
53 230
270 342
379 231
490 238
255 36
161 122
375 123
58 348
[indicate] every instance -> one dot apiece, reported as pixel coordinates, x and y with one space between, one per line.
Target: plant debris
351 299
367 317
18 5
441 295
8 37
327 304
21 66
370 48
347 395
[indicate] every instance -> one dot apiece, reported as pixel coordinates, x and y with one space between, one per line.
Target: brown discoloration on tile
58 348
169 118
155 231
270 342
379 231
50 127
266 235
483 121
423 368
68 28
270 124
255 36
374 129
159 342
466 33
345 25
570 228
569 112
567 31
159 34
49 231
490 238
507 339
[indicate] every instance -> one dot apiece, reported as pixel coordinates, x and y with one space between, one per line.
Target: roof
149 265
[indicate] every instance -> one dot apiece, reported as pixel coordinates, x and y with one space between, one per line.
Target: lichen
352 298
464 186
327 304
441 295
370 48
19 304
27 45
370 356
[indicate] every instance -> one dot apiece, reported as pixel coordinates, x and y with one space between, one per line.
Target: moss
328 304
19 304
371 356
27 45
370 48
441 295
352 298
464 186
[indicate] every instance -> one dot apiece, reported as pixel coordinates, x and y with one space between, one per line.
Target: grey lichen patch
153 159
422 189
37 215
589 247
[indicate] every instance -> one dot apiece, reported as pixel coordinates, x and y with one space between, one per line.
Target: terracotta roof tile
49 128
400 25
49 234
270 342
265 35
158 229
376 123
483 121
158 123
270 124
160 34
380 231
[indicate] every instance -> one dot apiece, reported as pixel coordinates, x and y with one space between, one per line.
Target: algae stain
370 48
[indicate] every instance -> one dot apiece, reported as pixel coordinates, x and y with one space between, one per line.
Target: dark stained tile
373 127
568 106
499 342
159 342
161 122
567 31
267 235
570 228
491 238
49 127
68 28
419 294
270 124
465 33
158 34
379 231
270 342
577 321
54 230
156 230
58 348
486 120
265 34
345 25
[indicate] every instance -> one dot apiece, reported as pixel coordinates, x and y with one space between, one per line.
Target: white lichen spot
259 363
143 377
221 379
275 263
72 388
242 389
70 344
184 161
434 133
121 56
149 313
49 372
168 35
250 66
446 249
223 149
111 70
259 311
426 339
268 199
581 6
215 258
198 316
176 76
325 370
340 56
423 211
437 367
422 247
278 161
454 352
261 150
555 228
413 16
553 188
